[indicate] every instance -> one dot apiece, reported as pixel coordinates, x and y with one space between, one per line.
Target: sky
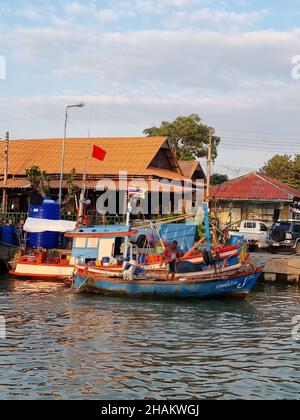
137 63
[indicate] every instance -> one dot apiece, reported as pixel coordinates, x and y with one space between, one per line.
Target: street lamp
81 105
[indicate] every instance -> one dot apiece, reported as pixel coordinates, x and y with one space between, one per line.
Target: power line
268 133
258 149
31 118
260 145
261 141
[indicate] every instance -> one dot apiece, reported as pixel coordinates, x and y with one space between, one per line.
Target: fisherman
170 256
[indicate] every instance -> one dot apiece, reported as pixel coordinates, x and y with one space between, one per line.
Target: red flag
99 153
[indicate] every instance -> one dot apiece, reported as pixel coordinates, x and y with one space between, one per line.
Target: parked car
255 232
284 234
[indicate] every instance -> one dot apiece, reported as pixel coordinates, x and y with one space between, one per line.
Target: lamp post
82 105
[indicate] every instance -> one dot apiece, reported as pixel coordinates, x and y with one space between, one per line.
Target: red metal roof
256 187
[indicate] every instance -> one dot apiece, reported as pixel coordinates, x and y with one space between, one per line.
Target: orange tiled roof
133 155
163 173
21 183
189 167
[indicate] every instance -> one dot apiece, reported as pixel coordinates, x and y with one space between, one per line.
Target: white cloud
208 61
91 11
230 77
218 20
107 15
77 8
31 13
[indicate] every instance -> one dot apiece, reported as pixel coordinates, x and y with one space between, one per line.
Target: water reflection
62 345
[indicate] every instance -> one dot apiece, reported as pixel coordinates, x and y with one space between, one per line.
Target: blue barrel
8 235
235 239
49 210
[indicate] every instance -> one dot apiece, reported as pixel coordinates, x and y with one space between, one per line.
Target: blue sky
136 63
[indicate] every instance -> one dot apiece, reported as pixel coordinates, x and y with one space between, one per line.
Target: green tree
283 168
39 180
297 171
73 188
218 179
188 137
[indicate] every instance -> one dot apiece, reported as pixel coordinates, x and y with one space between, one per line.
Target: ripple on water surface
62 346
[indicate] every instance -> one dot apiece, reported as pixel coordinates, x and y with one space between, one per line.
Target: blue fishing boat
102 268
233 284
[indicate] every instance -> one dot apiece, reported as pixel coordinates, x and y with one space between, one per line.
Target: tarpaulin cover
44 225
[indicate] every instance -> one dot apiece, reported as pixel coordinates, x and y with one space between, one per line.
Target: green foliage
188 137
39 180
73 188
201 232
218 179
41 183
285 169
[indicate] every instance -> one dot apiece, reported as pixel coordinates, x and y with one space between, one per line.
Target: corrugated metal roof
256 187
133 155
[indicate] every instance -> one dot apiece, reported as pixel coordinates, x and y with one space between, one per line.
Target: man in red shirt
171 255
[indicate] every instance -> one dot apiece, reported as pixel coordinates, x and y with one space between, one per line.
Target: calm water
62 346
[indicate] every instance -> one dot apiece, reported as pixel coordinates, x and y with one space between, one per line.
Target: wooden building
254 196
149 158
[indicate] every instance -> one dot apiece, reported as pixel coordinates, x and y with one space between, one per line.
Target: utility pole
82 105
6 160
207 200
209 166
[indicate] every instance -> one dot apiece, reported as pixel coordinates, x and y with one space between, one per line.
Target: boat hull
238 286
42 271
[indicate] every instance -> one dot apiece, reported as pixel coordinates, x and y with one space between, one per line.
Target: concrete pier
280 268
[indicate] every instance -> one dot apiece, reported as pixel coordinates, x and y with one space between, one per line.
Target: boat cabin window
93 243
80 243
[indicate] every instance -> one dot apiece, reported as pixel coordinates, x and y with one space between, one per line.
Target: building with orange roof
148 158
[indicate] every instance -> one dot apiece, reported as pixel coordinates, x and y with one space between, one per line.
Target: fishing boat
131 275
41 266
206 274
105 250
233 283
41 263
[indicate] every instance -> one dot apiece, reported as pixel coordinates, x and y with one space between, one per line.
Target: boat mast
129 210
